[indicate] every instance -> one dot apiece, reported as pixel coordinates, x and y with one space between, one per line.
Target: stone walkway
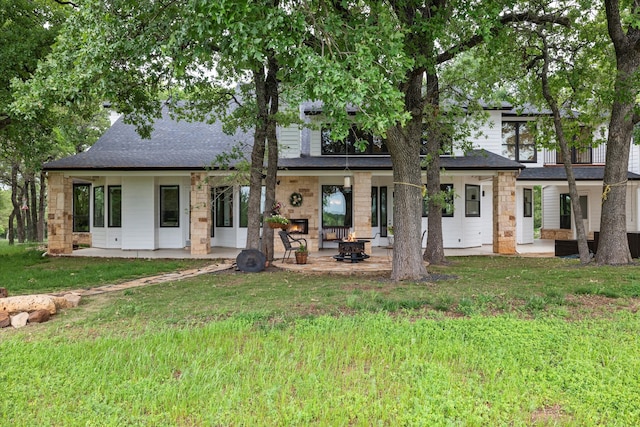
153 280
323 264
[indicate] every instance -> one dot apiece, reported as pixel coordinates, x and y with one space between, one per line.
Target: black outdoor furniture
290 243
351 251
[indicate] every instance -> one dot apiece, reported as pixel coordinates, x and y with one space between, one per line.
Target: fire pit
351 250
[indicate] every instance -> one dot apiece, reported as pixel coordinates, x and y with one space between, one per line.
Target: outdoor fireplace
298 226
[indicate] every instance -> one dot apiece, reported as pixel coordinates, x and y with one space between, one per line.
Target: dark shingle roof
181 145
557 173
173 145
474 160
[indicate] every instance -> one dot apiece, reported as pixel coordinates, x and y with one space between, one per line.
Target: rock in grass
27 303
39 316
5 320
4 293
20 320
68 300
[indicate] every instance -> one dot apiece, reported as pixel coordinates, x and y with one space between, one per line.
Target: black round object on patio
251 260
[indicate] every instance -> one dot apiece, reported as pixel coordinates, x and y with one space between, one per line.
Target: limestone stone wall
200 214
504 213
556 234
60 216
307 186
362 204
82 239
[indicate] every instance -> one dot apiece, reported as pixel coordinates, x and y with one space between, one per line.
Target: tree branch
510 18
614 23
63 2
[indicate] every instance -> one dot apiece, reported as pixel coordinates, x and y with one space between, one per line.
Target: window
81 197
336 206
98 206
374 206
472 200
528 202
375 144
565 211
115 205
517 142
223 206
169 206
446 196
244 205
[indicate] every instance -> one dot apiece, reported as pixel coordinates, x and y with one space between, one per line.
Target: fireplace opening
298 226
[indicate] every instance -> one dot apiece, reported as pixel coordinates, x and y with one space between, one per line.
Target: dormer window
518 143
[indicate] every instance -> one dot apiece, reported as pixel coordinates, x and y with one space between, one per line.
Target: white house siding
486 212
113 236
550 207
98 234
173 237
315 149
489 136
138 213
289 141
460 231
524 225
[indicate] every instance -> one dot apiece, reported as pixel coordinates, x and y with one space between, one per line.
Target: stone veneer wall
60 217
556 234
82 239
200 214
362 204
308 187
504 213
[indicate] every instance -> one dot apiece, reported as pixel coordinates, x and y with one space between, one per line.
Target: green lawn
24 269
494 341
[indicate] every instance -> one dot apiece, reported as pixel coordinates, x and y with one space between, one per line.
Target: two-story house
168 192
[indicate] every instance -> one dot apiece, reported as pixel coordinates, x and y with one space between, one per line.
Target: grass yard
24 270
494 341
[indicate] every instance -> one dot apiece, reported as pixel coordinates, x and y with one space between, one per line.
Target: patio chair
290 243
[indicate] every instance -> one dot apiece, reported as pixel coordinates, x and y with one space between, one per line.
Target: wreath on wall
295 199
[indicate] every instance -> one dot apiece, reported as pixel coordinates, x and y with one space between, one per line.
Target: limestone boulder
5 320
39 316
69 300
20 320
27 303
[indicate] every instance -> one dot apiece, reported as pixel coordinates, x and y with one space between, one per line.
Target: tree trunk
434 252
404 146
581 235
41 206
33 209
11 230
257 160
272 152
15 202
613 247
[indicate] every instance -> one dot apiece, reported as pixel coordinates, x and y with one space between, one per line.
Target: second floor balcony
584 156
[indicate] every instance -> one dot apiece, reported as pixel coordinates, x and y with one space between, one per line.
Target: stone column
60 216
362 204
200 214
504 213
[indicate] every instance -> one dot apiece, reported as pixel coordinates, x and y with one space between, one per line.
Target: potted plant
277 221
302 254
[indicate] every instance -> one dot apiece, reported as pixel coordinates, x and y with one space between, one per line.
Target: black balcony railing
589 156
